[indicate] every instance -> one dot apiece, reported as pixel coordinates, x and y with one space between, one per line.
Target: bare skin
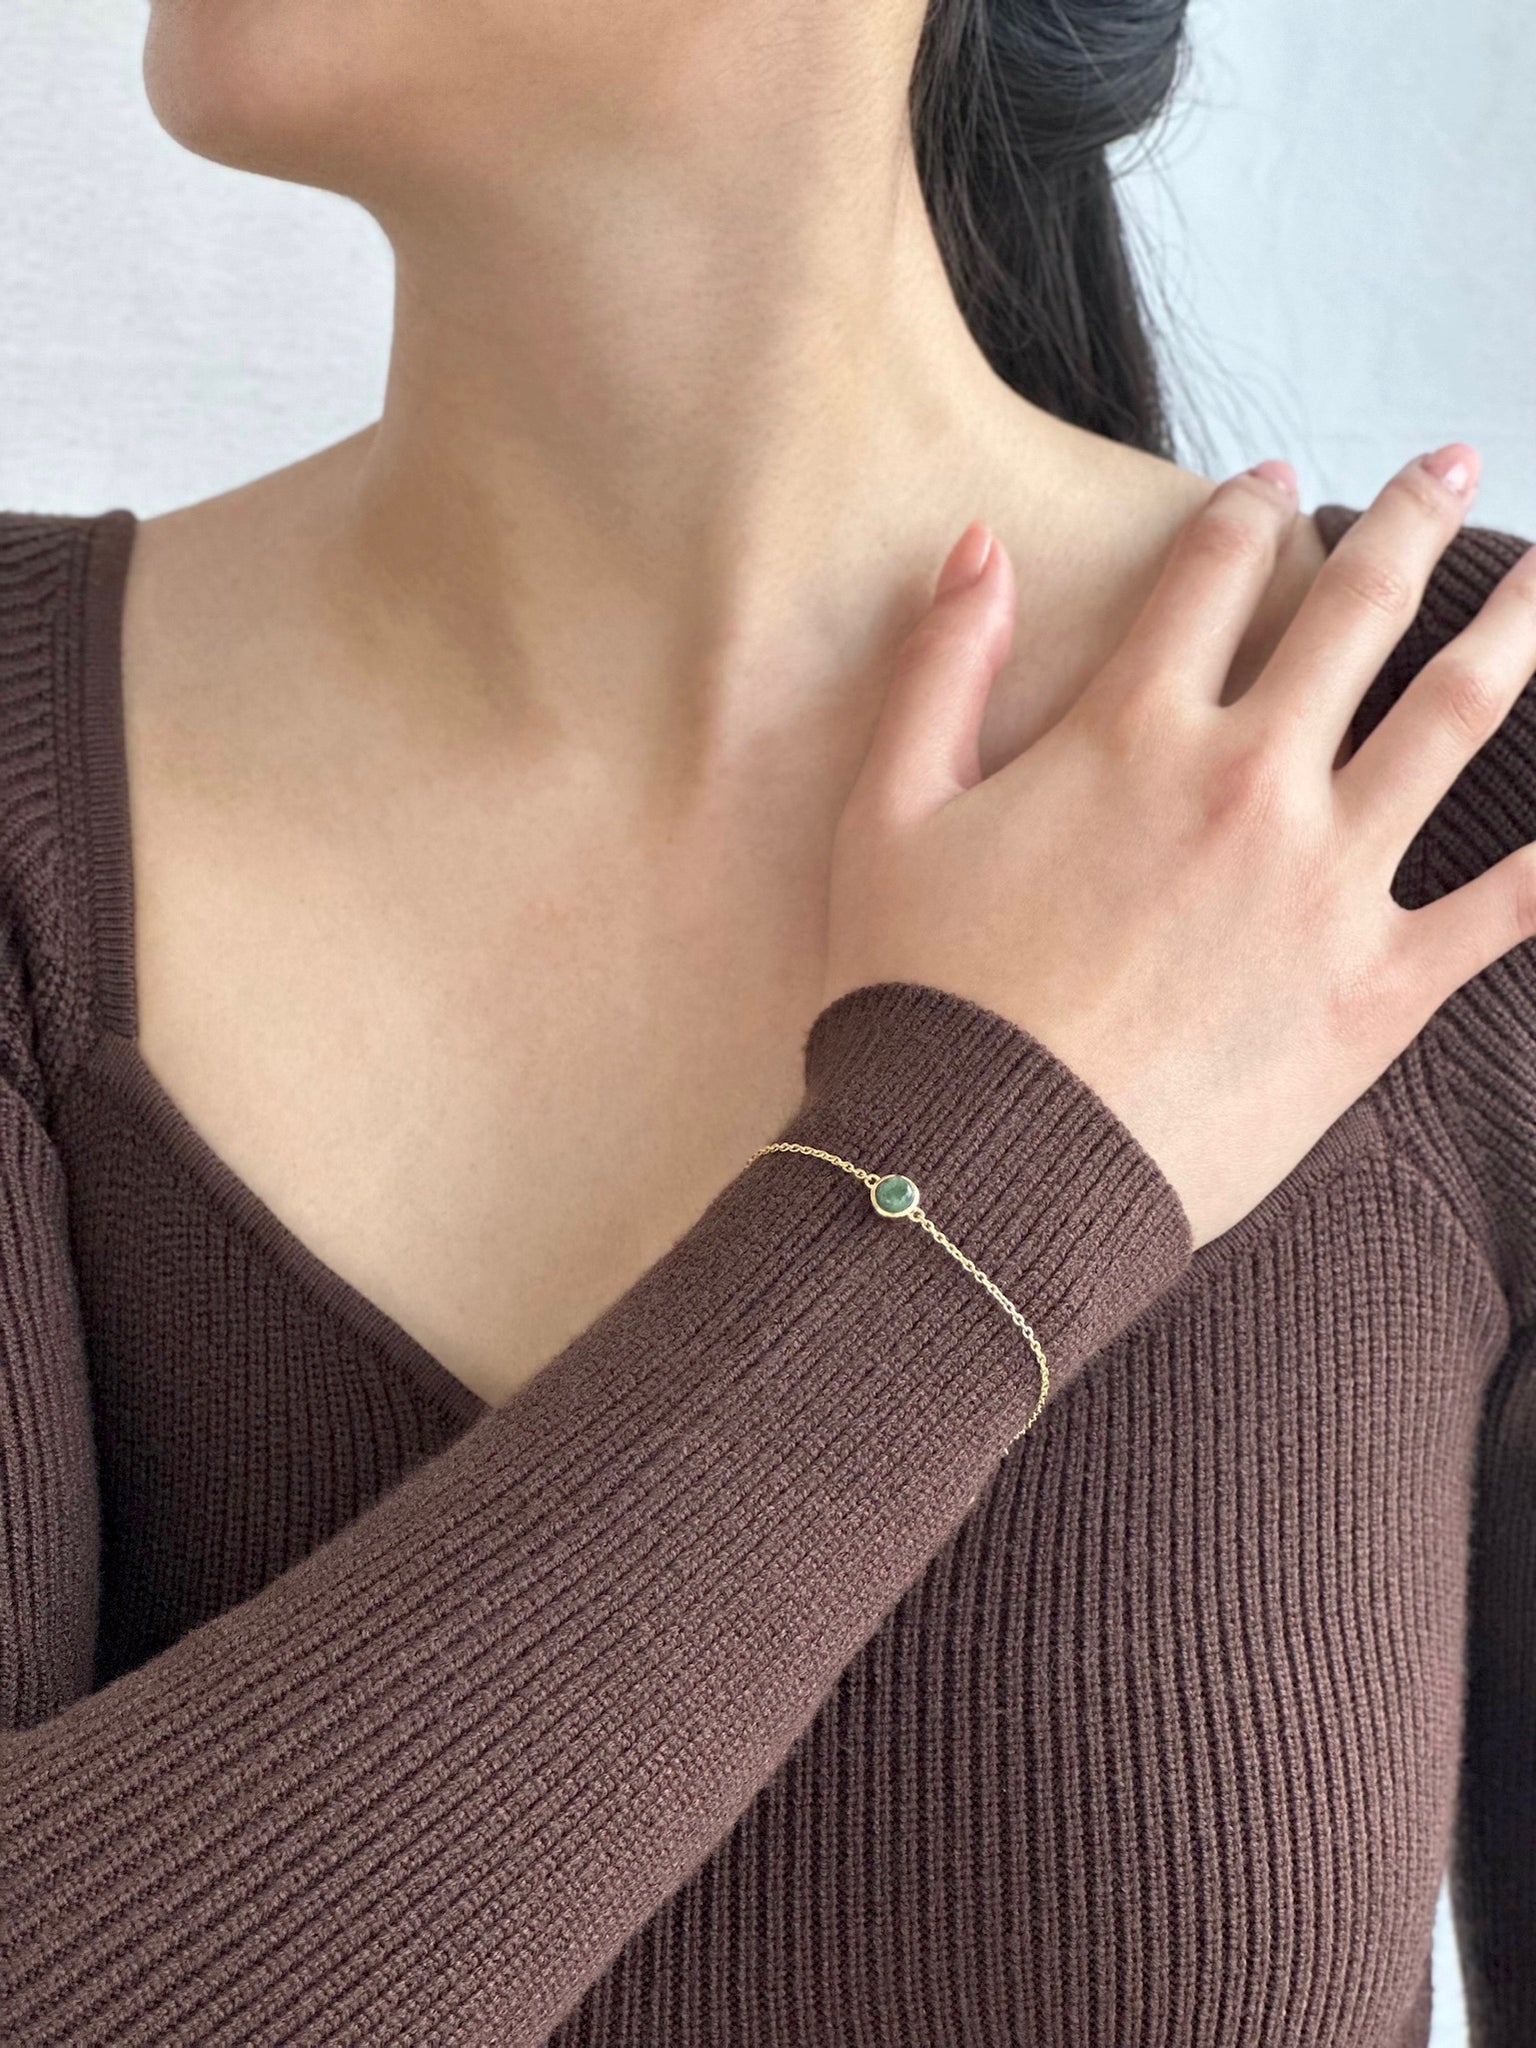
419 988
484 767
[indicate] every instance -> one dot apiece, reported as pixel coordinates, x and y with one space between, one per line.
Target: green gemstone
894 1195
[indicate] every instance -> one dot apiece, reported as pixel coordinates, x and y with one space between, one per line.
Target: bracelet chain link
913 1209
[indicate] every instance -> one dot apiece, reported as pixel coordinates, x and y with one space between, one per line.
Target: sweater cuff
1016 1158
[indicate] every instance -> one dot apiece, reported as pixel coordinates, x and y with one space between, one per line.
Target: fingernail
1456 464
1280 473
967 560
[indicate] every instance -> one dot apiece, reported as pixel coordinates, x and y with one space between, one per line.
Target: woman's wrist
1018 1160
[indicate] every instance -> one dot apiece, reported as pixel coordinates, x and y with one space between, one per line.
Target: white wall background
1339 217
1338 225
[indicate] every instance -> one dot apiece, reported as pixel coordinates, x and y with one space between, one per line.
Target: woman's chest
487 1086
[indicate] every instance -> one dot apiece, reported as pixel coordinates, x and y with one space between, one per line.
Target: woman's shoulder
54 580
45 578
38 551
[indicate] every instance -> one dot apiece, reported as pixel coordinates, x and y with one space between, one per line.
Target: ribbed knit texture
729 1685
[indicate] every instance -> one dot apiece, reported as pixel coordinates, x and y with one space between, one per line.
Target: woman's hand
1187 902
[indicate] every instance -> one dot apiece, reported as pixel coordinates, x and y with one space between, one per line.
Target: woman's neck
682 415
660 463
681 419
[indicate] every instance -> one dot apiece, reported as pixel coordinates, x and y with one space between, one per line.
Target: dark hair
1014 105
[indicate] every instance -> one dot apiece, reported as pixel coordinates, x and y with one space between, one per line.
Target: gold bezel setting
902 1193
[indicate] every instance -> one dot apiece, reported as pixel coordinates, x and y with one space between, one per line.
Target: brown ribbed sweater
728 1685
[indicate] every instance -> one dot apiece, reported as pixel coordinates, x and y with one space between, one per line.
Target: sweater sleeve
427 1783
1475 1081
1493 1872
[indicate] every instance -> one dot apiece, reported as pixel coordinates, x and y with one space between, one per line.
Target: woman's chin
244 85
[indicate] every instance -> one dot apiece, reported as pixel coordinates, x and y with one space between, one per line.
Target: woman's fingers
1445 943
1362 601
1455 703
924 748
1187 634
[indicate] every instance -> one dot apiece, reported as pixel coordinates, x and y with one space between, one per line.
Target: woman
497 1552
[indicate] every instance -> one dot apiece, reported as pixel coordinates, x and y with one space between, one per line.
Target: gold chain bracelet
893 1194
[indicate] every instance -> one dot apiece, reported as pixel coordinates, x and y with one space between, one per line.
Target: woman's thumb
924 747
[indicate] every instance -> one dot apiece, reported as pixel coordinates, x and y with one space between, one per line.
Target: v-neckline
101 743
101 750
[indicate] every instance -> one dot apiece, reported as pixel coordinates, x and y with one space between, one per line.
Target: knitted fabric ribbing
727 1686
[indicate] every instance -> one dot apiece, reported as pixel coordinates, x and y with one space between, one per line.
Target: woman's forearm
429 1781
